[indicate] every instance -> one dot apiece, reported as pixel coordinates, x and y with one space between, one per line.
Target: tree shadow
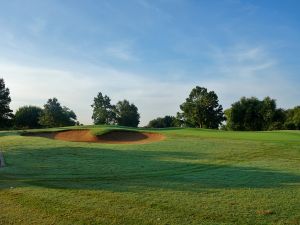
97 168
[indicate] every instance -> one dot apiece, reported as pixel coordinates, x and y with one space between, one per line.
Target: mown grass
195 176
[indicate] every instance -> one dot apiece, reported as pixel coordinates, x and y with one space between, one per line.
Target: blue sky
149 52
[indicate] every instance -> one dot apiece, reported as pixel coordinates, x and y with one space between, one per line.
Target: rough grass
195 176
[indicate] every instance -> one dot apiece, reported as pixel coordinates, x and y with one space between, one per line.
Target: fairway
192 176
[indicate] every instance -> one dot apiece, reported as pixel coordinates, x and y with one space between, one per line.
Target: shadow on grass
97 168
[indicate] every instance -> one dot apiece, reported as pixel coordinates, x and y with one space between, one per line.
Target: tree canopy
54 115
293 118
103 111
202 109
163 122
5 111
127 114
252 114
28 117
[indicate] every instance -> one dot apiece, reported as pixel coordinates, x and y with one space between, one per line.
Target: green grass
195 176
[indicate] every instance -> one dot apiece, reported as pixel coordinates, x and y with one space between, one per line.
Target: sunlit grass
195 176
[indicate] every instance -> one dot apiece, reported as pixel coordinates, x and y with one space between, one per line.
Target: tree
246 115
103 111
202 109
167 121
267 111
252 114
5 111
28 117
293 118
127 114
278 120
54 115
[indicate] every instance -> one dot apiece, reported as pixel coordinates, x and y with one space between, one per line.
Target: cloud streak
152 54
241 75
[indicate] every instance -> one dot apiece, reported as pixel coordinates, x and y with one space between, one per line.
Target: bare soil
113 137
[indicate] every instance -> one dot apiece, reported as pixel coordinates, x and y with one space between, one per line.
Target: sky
150 52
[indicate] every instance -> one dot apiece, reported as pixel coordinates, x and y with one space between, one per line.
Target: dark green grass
195 176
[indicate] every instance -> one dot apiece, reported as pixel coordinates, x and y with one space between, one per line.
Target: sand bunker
113 137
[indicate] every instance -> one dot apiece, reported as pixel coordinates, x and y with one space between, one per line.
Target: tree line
53 114
201 109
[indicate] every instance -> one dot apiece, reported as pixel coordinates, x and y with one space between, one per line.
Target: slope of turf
194 176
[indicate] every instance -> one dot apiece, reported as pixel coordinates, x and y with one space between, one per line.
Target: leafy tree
167 121
293 118
5 111
252 114
103 111
180 121
28 117
202 109
54 115
246 114
127 114
267 110
278 120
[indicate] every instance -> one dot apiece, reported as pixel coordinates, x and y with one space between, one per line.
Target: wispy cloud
33 85
37 26
121 51
250 71
154 97
242 61
152 53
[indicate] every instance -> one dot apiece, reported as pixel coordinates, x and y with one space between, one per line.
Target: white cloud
251 71
35 85
243 72
120 50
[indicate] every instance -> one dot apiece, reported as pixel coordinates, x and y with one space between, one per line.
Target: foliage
127 114
28 117
293 118
54 115
245 115
163 122
103 111
5 111
252 114
202 109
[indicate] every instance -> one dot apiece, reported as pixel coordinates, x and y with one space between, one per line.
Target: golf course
122 175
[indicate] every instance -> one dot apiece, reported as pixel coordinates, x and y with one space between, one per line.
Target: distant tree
103 111
5 111
293 118
267 111
228 125
252 114
54 115
167 121
28 117
246 114
278 120
202 109
180 120
127 114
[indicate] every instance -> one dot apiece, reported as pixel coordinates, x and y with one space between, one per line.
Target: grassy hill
194 176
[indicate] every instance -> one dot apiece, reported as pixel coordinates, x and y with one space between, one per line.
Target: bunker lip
112 137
